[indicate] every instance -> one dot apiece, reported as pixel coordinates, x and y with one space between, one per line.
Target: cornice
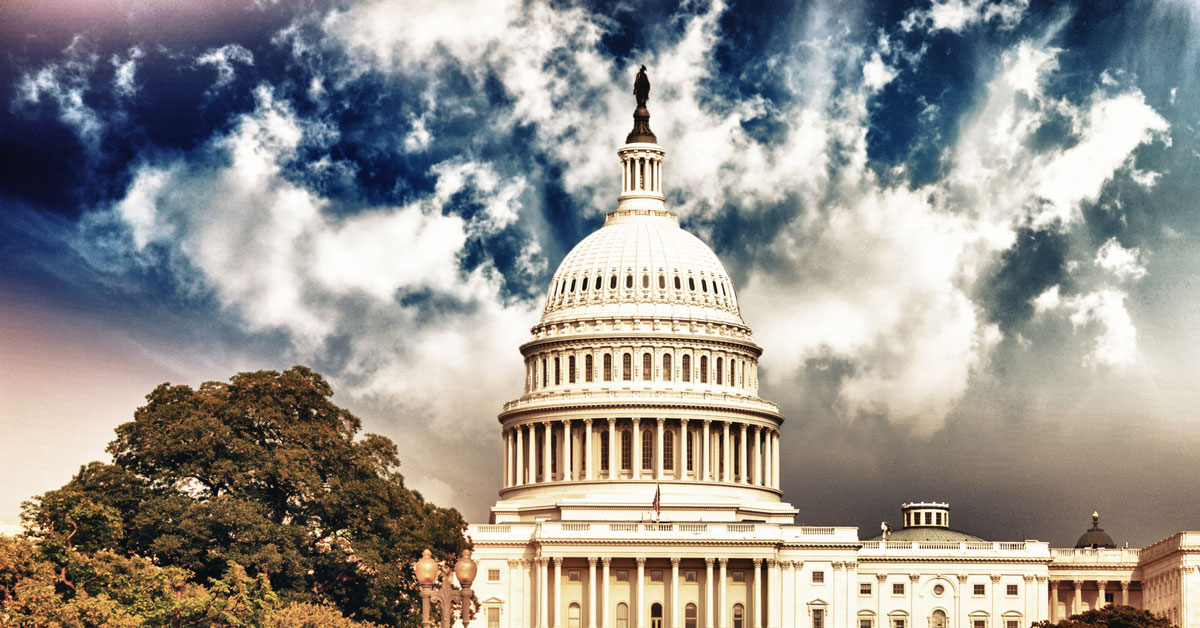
625 407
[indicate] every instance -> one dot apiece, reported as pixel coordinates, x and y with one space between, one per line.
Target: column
636 454
558 591
606 601
674 593
1041 598
724 599
568 461
1053 600
960 613
543 594
757 476
727 469
591 623
705 460
745 466
775 459
774 584
880 583
1031 595
520 475
756 604
1077 603
708 589
507 458
658 450
1124 593
992 595
547 444
767 455
533 462
681 459
588 453
640 612
613 446
1100 586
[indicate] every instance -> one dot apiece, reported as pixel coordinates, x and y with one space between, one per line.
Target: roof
1095 536
929 533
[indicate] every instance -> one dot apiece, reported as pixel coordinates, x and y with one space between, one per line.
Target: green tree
262 471
1110 617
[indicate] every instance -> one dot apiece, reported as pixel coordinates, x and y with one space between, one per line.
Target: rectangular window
691 438
571 370
1012 623
818 577
493 575
587 368
493 617
897 588
979 590
557 372
604 451
622 575
737 576
864 622
1011 589
864 588
626 451
607 367
573 575
627 367
1108 597
690 576
545 381
897 623
647 449
979 623
685 369
818 614
656 575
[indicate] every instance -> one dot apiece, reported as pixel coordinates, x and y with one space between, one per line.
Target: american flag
657 503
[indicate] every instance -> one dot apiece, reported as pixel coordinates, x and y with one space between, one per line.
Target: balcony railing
716 531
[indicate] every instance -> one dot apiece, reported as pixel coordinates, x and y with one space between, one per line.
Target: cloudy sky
964 232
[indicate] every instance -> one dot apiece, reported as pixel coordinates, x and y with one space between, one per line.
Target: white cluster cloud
125 72
65 83
222 59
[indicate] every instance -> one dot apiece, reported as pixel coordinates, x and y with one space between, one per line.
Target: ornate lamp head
465 569
426 569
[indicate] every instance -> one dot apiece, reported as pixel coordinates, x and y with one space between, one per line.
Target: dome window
572 285
678 285
685 368
667 367
612 283
583 286
703 369
645 282
647 367
662 282
629 281
704 285
720 373
627 367
691 284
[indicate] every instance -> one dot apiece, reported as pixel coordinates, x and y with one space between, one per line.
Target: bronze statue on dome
641 87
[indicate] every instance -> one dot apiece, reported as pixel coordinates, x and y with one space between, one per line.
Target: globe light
426 568
465 569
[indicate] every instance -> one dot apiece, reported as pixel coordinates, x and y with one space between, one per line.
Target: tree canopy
1110 617
262 471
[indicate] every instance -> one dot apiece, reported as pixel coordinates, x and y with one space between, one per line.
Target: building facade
641 474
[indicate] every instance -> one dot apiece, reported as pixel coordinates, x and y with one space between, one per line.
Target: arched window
622 615
599 283
737 450
553 451
667 367
604 450
583 286
689 616
608 367
544 376
573 615
612 282
647 367
691 449
647 449
656 618
669 450
720 373
678 286
587 368
739 616
645 282
731 363
627 367
571 370
703 369
572 289
692 284
629 281
704 285
557 373
662 282
685 368
626 450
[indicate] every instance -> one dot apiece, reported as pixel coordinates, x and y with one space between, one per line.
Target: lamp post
427 570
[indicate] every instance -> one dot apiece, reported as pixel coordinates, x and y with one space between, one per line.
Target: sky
964 232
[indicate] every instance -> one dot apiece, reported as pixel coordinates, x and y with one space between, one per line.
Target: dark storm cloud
1035 262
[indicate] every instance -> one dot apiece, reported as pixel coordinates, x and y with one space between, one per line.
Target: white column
507 458
591 623
760 445
756 455
745 467
1124 593
724 599
757 596
568 461
726 469
658 450
774 588
1100 587
588 453
1077 603
533 452
705 462
636 454
606 602
775 459
708 591
674 593
547 451
613 446
520 479
681 448
641 593
543 594
1054 599
558 591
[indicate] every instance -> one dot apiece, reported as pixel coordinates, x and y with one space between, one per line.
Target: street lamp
427 570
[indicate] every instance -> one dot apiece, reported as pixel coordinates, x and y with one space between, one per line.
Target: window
1010 590
645 281
737 454
583 286
629 281
656 575
978 623
662 282
493 617
928 518
737 576
571 370
690 576
607 367
691 284
677 285
1012 623
622 575
647 449
898 622
739 616
689 616
897 588
864 588
720 373
667 367
626 450
647 367
604 450
939 518
553 450
627 367
656 615
864 622
704 285
573 615
669 450
979 590
493 575
545 381
703 369
573 575
691 447
818 617
938 589
572 288
587 368
623 608
686 368
557 373
612 282
818 577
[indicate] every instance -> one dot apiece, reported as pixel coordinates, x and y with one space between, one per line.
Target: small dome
926 521
1095 537
930 534
641 264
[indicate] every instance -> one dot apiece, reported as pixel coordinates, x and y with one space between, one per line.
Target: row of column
716 606
1076 602
569 368
756 446
641 172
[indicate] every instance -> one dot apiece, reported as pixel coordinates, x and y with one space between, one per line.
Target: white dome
646 267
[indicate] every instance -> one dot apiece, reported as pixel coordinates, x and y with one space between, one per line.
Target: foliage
1111 616
262 471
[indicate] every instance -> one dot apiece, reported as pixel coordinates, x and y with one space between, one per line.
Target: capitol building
641 480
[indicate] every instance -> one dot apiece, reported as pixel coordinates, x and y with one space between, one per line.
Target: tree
1110 617
262 471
